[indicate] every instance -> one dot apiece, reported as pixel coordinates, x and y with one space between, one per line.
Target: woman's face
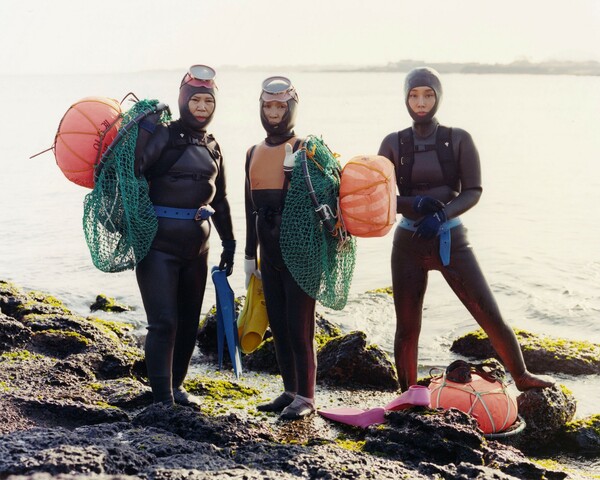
201 106
274 111
421 100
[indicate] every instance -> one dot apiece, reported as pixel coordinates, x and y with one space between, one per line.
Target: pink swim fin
355 416
416 395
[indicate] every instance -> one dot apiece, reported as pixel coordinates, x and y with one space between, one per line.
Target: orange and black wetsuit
291 311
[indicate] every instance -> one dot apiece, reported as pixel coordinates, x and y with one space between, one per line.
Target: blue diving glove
227 256
426 205
429 226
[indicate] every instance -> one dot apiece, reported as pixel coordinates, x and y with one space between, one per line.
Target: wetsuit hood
423 77
189 87
283 130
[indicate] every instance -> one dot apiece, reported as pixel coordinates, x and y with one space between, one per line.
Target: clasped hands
434 216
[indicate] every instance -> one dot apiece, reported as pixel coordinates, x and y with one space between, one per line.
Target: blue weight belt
443 233
180 213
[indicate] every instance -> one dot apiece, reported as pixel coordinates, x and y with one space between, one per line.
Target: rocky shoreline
75 402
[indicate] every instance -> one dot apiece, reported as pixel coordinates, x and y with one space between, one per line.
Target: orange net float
494 408
368 196
84 133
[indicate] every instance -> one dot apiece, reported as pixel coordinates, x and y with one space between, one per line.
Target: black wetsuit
413 257
291 311
172 277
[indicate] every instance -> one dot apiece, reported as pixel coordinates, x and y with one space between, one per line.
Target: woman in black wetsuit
291 311
186 173
439 178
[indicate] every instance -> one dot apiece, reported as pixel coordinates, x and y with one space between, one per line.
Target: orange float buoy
368 196
84 134
494 408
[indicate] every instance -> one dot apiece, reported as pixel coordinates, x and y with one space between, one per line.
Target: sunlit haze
67 36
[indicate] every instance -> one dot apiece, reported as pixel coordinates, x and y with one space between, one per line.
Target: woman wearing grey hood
438 176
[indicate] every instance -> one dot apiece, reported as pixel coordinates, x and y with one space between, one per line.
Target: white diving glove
289 160
250 268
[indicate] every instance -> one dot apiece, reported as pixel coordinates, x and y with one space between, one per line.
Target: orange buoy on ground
368 196
494 408
84 133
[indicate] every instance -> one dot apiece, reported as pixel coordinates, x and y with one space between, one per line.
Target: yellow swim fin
253 319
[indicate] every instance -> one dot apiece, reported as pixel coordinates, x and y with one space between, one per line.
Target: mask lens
279 89
202 72
200 76
275 85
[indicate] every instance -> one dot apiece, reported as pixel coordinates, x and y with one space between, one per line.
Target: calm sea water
535 229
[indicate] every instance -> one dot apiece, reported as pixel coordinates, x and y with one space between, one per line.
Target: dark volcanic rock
441 437
110 349
347 360
541 353
452 445
73 397
187 423
582 436
57 451
124 392
13 334
68 412
263 359
546 412
107 304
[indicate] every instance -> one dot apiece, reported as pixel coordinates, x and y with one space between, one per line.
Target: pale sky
83 36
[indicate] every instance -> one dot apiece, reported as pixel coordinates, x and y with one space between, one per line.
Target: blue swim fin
226 321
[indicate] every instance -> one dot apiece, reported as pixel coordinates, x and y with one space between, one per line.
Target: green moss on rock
74 337
108 304
592 423
350 444
117 330
219 390
20 356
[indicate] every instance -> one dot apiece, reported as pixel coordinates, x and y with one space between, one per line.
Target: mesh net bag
322 263
118 218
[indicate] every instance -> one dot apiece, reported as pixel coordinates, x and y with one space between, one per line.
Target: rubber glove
289 160
429 226
250 268
426 205
227 256
205 212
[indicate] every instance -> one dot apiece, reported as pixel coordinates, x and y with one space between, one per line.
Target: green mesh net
322 263
118 218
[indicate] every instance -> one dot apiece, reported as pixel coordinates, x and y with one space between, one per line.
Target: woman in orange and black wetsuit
291 311
187 185
439 178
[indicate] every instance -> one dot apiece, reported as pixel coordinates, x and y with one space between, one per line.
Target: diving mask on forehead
200 76
279 89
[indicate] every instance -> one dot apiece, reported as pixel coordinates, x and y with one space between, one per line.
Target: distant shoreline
586 68
518 67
